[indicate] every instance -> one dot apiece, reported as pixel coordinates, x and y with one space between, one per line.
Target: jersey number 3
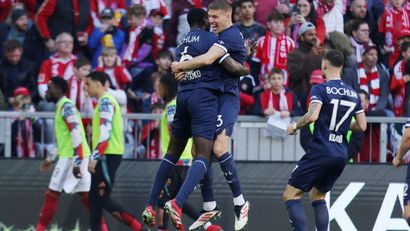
336 103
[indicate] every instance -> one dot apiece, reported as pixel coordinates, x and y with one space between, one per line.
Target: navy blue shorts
406 196
195 114
229 107
320 172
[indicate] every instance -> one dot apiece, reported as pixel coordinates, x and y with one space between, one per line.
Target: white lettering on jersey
335 138
189 39
341 91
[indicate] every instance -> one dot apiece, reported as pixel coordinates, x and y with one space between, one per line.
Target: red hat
156 12
21 91
316 77
404 33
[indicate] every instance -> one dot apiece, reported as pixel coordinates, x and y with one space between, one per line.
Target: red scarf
396 20
323 8
24 139
283 47
398 88
131 52
370 83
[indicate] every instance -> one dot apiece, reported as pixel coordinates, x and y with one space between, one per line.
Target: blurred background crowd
133 41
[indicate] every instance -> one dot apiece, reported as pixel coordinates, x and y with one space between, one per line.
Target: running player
230 42
403 157
332 106
70 173
197 94
108 148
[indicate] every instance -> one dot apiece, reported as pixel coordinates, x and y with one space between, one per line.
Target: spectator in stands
250 29
76 91
339 41
404 36
59 64
394 19
22 142
110 63
303 12
150 135
16 71
142 86
6 7
142 45
155 96
399 80
332 15
246 97
359 38
153 5
20 24
358 11
157 19
236 13
272 49
178 24
57 16
264 8
97 6
278 99
107 35
302 61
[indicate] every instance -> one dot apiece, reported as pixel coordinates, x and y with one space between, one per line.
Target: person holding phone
110 63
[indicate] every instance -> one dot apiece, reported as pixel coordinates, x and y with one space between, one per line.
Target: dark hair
276 16
357 23
220 5
136 10
312 14
170 87
335 57
366 95
11 45
82 61
275 71
164 53
99 76
244 1
196 17
404 46
60 82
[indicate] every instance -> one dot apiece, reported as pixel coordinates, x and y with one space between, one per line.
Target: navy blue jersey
231 40
339 103
195 43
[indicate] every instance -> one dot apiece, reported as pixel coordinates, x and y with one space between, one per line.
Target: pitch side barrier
366 196
250 141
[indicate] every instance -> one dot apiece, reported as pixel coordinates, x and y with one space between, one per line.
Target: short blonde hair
109 51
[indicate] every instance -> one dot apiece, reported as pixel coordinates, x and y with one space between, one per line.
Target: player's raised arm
233 67
213 54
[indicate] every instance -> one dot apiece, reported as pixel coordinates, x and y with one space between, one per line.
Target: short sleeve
359 109
316 95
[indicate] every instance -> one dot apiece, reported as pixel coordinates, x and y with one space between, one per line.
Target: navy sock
163 173
195 174
408 221
321 215
297 215
207 187
228 167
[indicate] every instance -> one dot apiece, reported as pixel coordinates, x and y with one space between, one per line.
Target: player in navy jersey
195 115
230 43
332 106
403 156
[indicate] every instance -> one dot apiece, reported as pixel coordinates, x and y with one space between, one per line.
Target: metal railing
249 139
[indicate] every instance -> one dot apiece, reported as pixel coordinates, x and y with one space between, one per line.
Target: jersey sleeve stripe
223 58
222 47
316 101
407 124
359 111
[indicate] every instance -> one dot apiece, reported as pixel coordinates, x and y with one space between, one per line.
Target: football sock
297 215
190 211
206 186
86 203
228 167
195 174
48 210
164 170
321 215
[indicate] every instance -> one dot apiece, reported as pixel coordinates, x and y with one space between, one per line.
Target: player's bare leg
321 212
297 216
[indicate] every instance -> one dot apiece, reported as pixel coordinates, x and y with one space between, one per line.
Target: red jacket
246 101
398 88
267 95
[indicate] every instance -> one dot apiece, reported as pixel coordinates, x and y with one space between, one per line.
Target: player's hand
292 128
77 172
45 166
397 162
175 67
179 76
91 166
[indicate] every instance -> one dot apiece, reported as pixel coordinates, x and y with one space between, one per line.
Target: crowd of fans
133 41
